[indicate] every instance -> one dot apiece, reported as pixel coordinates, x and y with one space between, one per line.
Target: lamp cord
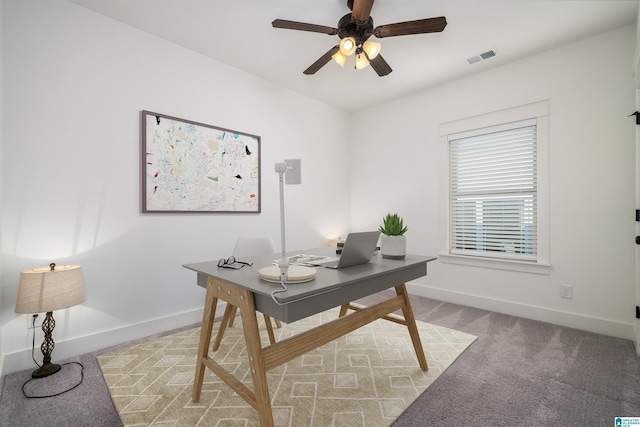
56 394
279 291
33 349
33 341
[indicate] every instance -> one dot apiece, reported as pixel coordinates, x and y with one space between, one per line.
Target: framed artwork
192 167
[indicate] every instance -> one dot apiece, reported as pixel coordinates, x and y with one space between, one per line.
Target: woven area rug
366 378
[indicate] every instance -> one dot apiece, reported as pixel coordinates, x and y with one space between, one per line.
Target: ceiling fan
354 30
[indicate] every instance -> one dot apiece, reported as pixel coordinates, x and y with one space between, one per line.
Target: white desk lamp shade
289 172
293 174
42 290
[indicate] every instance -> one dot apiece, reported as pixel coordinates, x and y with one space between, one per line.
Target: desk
331 288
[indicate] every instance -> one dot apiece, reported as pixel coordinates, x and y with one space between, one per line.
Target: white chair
247 247
252 246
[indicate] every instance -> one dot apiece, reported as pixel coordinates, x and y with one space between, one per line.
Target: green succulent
392 225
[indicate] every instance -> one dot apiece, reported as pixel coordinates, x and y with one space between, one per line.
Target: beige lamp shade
361 61
348 46
339 58
41 290
372 48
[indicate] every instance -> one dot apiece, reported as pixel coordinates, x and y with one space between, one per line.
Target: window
495 199
493 192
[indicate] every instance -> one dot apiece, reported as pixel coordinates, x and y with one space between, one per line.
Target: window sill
498 264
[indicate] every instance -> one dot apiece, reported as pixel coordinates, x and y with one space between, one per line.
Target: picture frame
191 167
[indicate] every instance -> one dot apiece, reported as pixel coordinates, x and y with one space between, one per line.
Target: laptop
358 249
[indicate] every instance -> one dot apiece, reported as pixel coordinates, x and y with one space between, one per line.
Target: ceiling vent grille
482 56
488 54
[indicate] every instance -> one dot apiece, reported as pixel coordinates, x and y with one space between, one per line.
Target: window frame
538 111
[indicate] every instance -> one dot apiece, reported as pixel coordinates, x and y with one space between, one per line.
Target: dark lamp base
46 370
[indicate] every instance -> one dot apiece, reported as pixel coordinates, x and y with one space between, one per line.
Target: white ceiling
239 33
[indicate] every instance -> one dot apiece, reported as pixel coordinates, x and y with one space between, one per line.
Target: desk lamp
289 172
45 290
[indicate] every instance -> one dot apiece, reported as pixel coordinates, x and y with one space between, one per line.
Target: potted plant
393 243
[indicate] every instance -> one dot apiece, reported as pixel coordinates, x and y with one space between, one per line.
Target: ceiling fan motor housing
347 27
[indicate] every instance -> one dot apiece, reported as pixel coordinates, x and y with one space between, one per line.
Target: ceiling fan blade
361 10
322 61
420 26
380 66
302 26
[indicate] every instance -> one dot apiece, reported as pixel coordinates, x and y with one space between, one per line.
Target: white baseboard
20 360
578 321
1 372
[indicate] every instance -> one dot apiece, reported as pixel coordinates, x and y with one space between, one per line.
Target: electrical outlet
566 291
34 321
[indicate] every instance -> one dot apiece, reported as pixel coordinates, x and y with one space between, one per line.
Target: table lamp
47 289
292 174
289 173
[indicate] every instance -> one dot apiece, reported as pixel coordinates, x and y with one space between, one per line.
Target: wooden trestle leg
407 320
209 314
233 315
227 320
256 362
243 299
223 326
407 312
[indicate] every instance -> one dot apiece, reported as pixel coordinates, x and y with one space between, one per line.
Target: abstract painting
193 167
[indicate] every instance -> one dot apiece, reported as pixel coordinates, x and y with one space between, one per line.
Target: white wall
74 85
397 162
1 117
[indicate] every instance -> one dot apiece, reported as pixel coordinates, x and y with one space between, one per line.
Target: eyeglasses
231 263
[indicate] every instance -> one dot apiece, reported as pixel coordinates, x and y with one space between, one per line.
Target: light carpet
366 378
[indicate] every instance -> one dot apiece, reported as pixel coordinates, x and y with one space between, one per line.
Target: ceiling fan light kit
354 30
361 61
340 58
348 46
364 52
372 49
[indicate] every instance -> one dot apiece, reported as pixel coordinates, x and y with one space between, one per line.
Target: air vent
488 54
481 57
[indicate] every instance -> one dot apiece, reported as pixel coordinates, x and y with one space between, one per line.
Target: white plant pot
394 247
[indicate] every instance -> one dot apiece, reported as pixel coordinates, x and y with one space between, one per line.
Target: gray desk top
329 289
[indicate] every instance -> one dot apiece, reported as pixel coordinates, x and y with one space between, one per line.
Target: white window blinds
493 192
